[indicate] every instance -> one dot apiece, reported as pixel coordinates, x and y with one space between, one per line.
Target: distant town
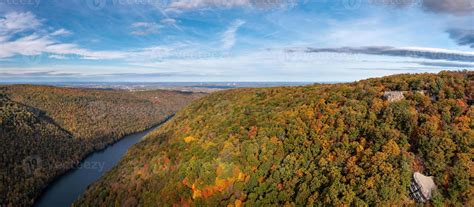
205 87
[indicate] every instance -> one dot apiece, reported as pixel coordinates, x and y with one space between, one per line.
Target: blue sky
232 40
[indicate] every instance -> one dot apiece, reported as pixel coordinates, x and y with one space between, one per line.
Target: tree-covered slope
97 115
33 149
45 131
316 145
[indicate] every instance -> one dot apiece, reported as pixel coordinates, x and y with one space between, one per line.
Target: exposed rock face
392 96
421 187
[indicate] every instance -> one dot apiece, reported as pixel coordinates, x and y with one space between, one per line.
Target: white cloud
61 32
36 45
29 45
72 49
38 42
141 24
15 22
3 38
410 52
59 57
195 4
263 65
145 28
228 37
182 5
168 21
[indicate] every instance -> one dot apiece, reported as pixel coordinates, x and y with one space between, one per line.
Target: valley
323 144
45 131
236 103
68 187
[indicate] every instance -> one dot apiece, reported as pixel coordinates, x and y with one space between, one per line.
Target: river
67 188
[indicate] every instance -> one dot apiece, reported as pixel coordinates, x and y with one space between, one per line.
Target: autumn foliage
322 145
44 131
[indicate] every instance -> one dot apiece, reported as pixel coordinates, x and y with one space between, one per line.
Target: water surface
67 188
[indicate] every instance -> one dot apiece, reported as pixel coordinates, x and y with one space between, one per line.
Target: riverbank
67 187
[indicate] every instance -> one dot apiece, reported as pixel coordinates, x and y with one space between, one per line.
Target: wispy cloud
168 21
36 45
58 57
9 74
447 64
225 39
179 5
64 74
262 65
183 5
15 22
229 36
462 36
145 28
33 40
29 45
413 52
456 7
61 32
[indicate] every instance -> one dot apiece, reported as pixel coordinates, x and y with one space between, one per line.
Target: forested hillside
323 145
44 131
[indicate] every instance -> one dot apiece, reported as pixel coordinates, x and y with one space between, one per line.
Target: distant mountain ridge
322 145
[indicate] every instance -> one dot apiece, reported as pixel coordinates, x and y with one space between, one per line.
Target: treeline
321 145
44 131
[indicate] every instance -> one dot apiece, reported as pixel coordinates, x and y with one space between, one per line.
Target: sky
231 40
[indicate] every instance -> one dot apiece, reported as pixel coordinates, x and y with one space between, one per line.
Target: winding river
67 188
